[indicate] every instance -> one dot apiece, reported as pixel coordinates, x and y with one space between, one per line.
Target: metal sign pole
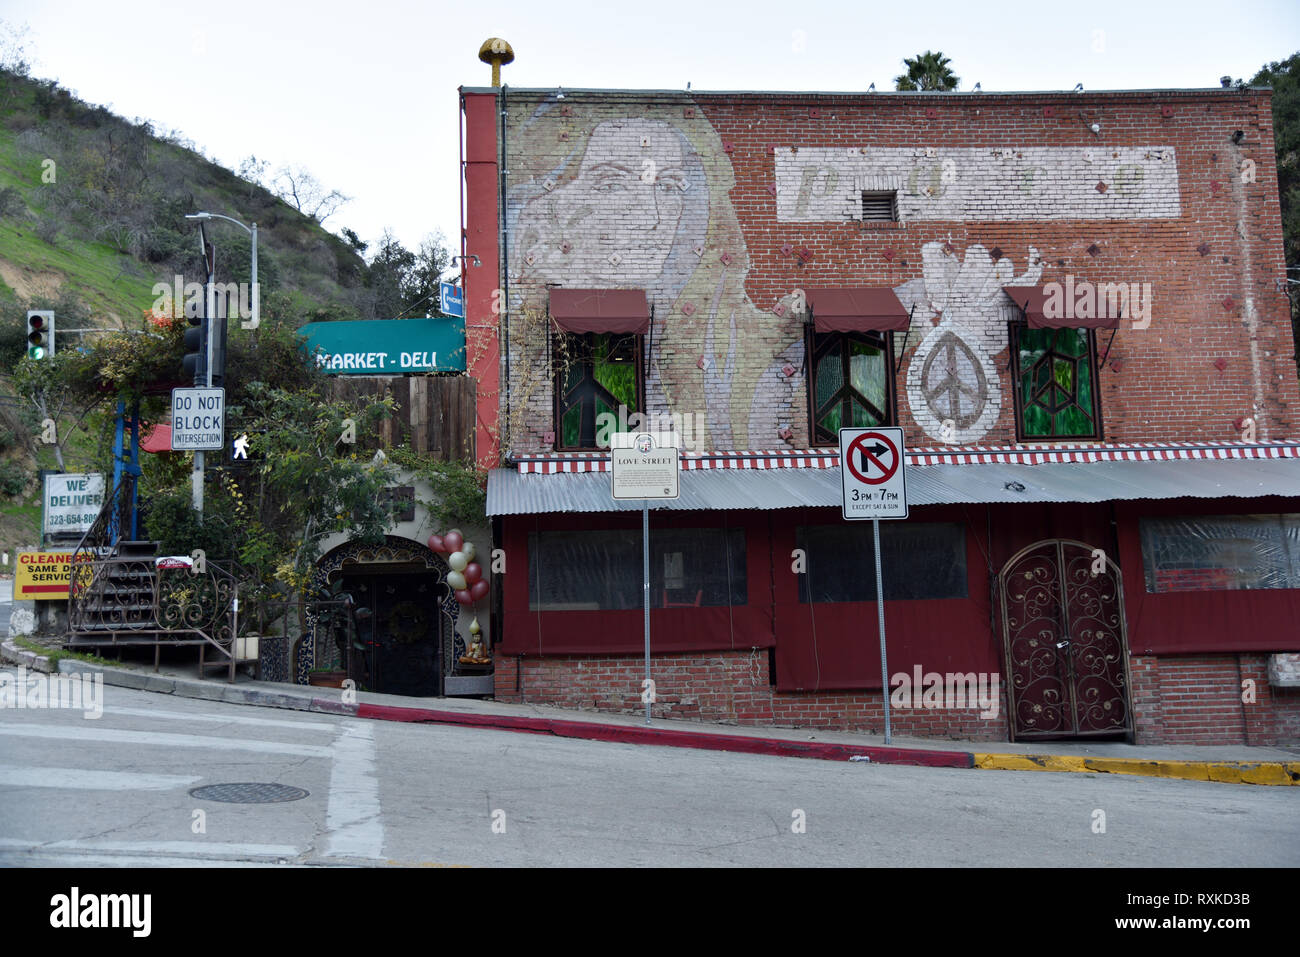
210 262
637 474
880 609
873 481
645 588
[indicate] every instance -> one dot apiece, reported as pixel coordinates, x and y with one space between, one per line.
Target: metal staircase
120 594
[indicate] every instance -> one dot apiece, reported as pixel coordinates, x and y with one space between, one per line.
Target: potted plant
326 678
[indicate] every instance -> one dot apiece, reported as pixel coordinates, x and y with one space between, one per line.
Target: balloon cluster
466 575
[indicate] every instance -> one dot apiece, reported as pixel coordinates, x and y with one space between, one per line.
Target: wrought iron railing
94 550
125 599
113 522
134 595
325 621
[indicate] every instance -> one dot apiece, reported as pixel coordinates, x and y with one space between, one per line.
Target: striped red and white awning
551 463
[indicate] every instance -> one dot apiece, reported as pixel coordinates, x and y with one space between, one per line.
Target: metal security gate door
1066 648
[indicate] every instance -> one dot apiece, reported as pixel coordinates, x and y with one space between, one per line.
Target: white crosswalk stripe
83 779
143 774
58 732
171 716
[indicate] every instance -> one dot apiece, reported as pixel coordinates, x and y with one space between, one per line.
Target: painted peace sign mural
872 473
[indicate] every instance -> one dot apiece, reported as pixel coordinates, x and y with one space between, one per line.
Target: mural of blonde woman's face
615 222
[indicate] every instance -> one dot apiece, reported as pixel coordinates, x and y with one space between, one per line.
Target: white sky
364 94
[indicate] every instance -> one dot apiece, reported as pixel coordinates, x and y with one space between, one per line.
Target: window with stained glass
852 383
1055 384
596 373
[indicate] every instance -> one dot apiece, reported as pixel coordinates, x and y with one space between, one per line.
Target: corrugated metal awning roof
512 493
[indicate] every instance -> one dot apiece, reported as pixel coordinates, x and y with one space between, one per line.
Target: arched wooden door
1066 647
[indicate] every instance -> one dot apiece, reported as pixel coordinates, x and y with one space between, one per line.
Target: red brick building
1070 303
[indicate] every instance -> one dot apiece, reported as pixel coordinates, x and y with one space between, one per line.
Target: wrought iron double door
1066 647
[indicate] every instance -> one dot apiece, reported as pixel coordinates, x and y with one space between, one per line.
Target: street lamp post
255 309
255 293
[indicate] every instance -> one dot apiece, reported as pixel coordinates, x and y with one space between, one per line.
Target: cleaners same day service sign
42 576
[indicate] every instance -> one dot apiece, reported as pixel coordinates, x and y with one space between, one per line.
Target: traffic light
195 362
40 333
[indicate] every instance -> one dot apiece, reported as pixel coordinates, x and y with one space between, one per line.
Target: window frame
734 541
557 384
812 536
1155 532
1015 329
885 343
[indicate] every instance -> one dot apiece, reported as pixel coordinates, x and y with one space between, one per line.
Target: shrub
13 478
48 230
162 244
11 202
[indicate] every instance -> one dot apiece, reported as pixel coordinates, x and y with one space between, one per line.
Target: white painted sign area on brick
989 185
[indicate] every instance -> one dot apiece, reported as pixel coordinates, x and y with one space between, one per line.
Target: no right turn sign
872 473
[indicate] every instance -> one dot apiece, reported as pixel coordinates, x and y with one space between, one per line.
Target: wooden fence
435 414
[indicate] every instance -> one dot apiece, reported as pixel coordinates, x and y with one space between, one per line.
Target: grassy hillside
92 213
98 203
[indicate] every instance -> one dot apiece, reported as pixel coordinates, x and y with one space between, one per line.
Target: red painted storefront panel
836 645
1197 622
622 631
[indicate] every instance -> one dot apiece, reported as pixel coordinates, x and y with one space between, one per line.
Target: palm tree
929 71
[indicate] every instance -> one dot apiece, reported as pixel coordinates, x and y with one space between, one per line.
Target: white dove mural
953 386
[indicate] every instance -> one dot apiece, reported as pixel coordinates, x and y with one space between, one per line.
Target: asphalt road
115 791
6 605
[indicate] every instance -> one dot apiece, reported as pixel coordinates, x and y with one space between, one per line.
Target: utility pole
212 329
210 262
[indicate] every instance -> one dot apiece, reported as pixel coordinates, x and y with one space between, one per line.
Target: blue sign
451 300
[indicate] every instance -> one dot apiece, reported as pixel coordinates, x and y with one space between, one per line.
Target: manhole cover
248 793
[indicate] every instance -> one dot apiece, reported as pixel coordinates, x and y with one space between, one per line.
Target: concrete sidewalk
1229 764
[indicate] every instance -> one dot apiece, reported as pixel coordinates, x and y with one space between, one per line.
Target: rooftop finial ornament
496 51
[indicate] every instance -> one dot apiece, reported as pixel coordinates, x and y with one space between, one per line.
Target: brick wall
1194 701
721 207
1198 700
727 687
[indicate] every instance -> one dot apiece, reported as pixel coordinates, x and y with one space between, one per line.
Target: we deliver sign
72 502
43 576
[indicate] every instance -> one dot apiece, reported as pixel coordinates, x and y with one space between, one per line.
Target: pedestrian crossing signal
243 448
239 448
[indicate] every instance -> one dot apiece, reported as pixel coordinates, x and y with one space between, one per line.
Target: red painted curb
330 706
674 739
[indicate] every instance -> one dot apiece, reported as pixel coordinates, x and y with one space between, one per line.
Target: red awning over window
1044 311
601 310
857 309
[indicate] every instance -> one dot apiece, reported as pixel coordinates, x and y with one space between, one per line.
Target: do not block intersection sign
872 473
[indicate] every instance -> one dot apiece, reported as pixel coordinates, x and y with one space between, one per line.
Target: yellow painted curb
1228 772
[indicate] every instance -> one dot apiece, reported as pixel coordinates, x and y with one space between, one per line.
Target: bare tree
299 188
14 55
15 60
253 171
